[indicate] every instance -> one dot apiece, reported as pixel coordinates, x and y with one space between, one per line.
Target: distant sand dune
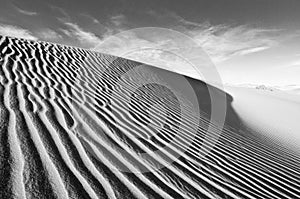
66 132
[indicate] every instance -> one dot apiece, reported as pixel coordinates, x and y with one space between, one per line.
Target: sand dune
77 124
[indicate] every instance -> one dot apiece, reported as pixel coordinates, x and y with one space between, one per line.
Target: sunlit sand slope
72 127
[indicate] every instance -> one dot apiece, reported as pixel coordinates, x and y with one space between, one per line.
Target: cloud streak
295 63
64 16
25 12
93 19
86 38
223 42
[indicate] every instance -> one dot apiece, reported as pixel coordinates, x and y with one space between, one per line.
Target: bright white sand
275 114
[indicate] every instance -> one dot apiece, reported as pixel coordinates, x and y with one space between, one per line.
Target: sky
248 41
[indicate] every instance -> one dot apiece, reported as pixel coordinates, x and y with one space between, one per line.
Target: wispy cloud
64 16
25 12
115 24
253 50
295 63
77 35
15 31
93 19
224 41
86 38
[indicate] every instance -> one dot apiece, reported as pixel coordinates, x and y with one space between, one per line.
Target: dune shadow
202 91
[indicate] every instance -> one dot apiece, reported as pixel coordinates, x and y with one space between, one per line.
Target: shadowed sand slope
79 124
